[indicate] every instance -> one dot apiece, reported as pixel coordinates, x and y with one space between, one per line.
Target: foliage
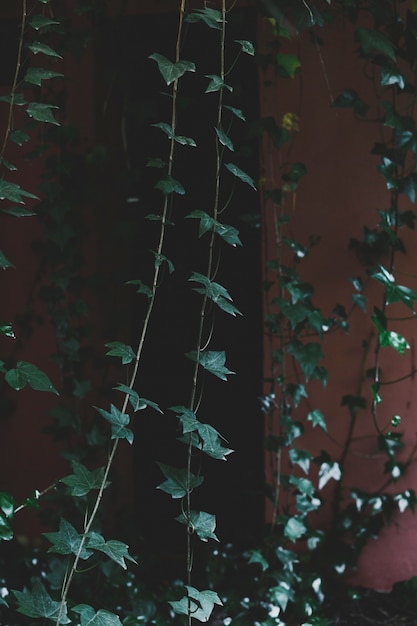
79 574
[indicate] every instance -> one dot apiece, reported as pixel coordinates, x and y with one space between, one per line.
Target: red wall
339 195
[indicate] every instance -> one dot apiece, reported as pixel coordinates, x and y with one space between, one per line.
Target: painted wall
339 195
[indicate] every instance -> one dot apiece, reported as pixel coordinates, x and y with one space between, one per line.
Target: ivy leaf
4 261
35 75
42 112
211 442
392 76
122 350
201 523
6 329
294 529
184 141
82 481
308 355
282 594
117 551
137 403
179 482
7 506
187 418
207 223
161 258
213 362
172 71
67 541
169 185
316 417
256 556
236 171
301 458
37 46
19 138
389 338
224 139
18 211
40 21
141 287
373 40
89 617
349 98
200 604
39 604
237 112
218 294
246 46
327 472
156 162
216 84
118 421
14 193
211 17
287 65
25 373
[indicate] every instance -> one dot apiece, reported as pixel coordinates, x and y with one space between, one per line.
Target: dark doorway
232 490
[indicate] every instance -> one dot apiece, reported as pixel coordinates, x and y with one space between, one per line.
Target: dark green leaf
18 211
224 139
256 556
161 258
13 192
141 287
39 604
19 137
201 523
158 163
169 185
40 21
308 355
199 604
287 65
115 550
137 403
67 541
350 99
328 471
246 46
187 418
294 529
89 617
7 506
392 76
235 111
236 171
301 458
179 482
216 84
172 71
82 481
212 361
282 594
316 417
121 350
41 112
37 46
28 373
118 421
7 329
35 75
211 17
372 41
218 294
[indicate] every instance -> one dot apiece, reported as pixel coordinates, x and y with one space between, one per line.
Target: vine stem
203 310
15 78
89 520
